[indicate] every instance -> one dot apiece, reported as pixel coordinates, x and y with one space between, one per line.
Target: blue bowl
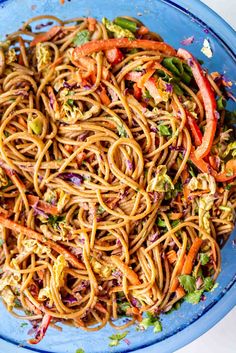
174 22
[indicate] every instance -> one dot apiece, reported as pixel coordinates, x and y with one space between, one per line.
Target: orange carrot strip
175 216
171 256
175 283
184 177
128 272
143 30
42 205
44 37
192 254
104 97
100 308
22 121
106 44
145 77
35 235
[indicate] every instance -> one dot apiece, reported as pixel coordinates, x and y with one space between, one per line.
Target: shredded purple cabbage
187 41
38 212
129 164
153 128
190 62
169 88
72 177
153 237
69 299
217 115
41 25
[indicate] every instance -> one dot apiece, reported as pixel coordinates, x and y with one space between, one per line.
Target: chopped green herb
229 186
161 223
151 320
82 37
147 94
194 297
175 223
164 130
100 209
204 259
24 324
191 171
208 283
157 327
70 102
188 283
177 89
54 220
28 28
122 307
221 103
17 303
116 338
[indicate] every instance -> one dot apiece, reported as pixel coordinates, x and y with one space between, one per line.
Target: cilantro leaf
54 220
81 38
188 283
194 297
164 130
100 209
157 327
204 259
161 223
208 283
151 320
24 324
116 338
80 350
70 102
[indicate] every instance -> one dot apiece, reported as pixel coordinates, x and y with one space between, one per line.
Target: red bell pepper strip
137 92
106 44
195 131
41 330
208 100
228 174
114 56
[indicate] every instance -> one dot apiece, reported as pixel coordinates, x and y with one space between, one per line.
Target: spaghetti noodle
116 174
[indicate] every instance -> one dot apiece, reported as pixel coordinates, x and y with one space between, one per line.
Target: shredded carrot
184 177
44 37
192 254
100 308
42 205
128 272
106 44
104 97
143 30
175 283
18 228
91 24
199 95
212 161
22 121
78 321
175 216
171 256
144 78
69 148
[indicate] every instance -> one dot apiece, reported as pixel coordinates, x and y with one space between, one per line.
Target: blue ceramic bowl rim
227 299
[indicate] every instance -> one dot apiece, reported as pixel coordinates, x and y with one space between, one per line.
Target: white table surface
222 337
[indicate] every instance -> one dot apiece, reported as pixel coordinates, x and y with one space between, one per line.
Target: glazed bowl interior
173 23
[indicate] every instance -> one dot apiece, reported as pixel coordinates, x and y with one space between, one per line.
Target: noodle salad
117 174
